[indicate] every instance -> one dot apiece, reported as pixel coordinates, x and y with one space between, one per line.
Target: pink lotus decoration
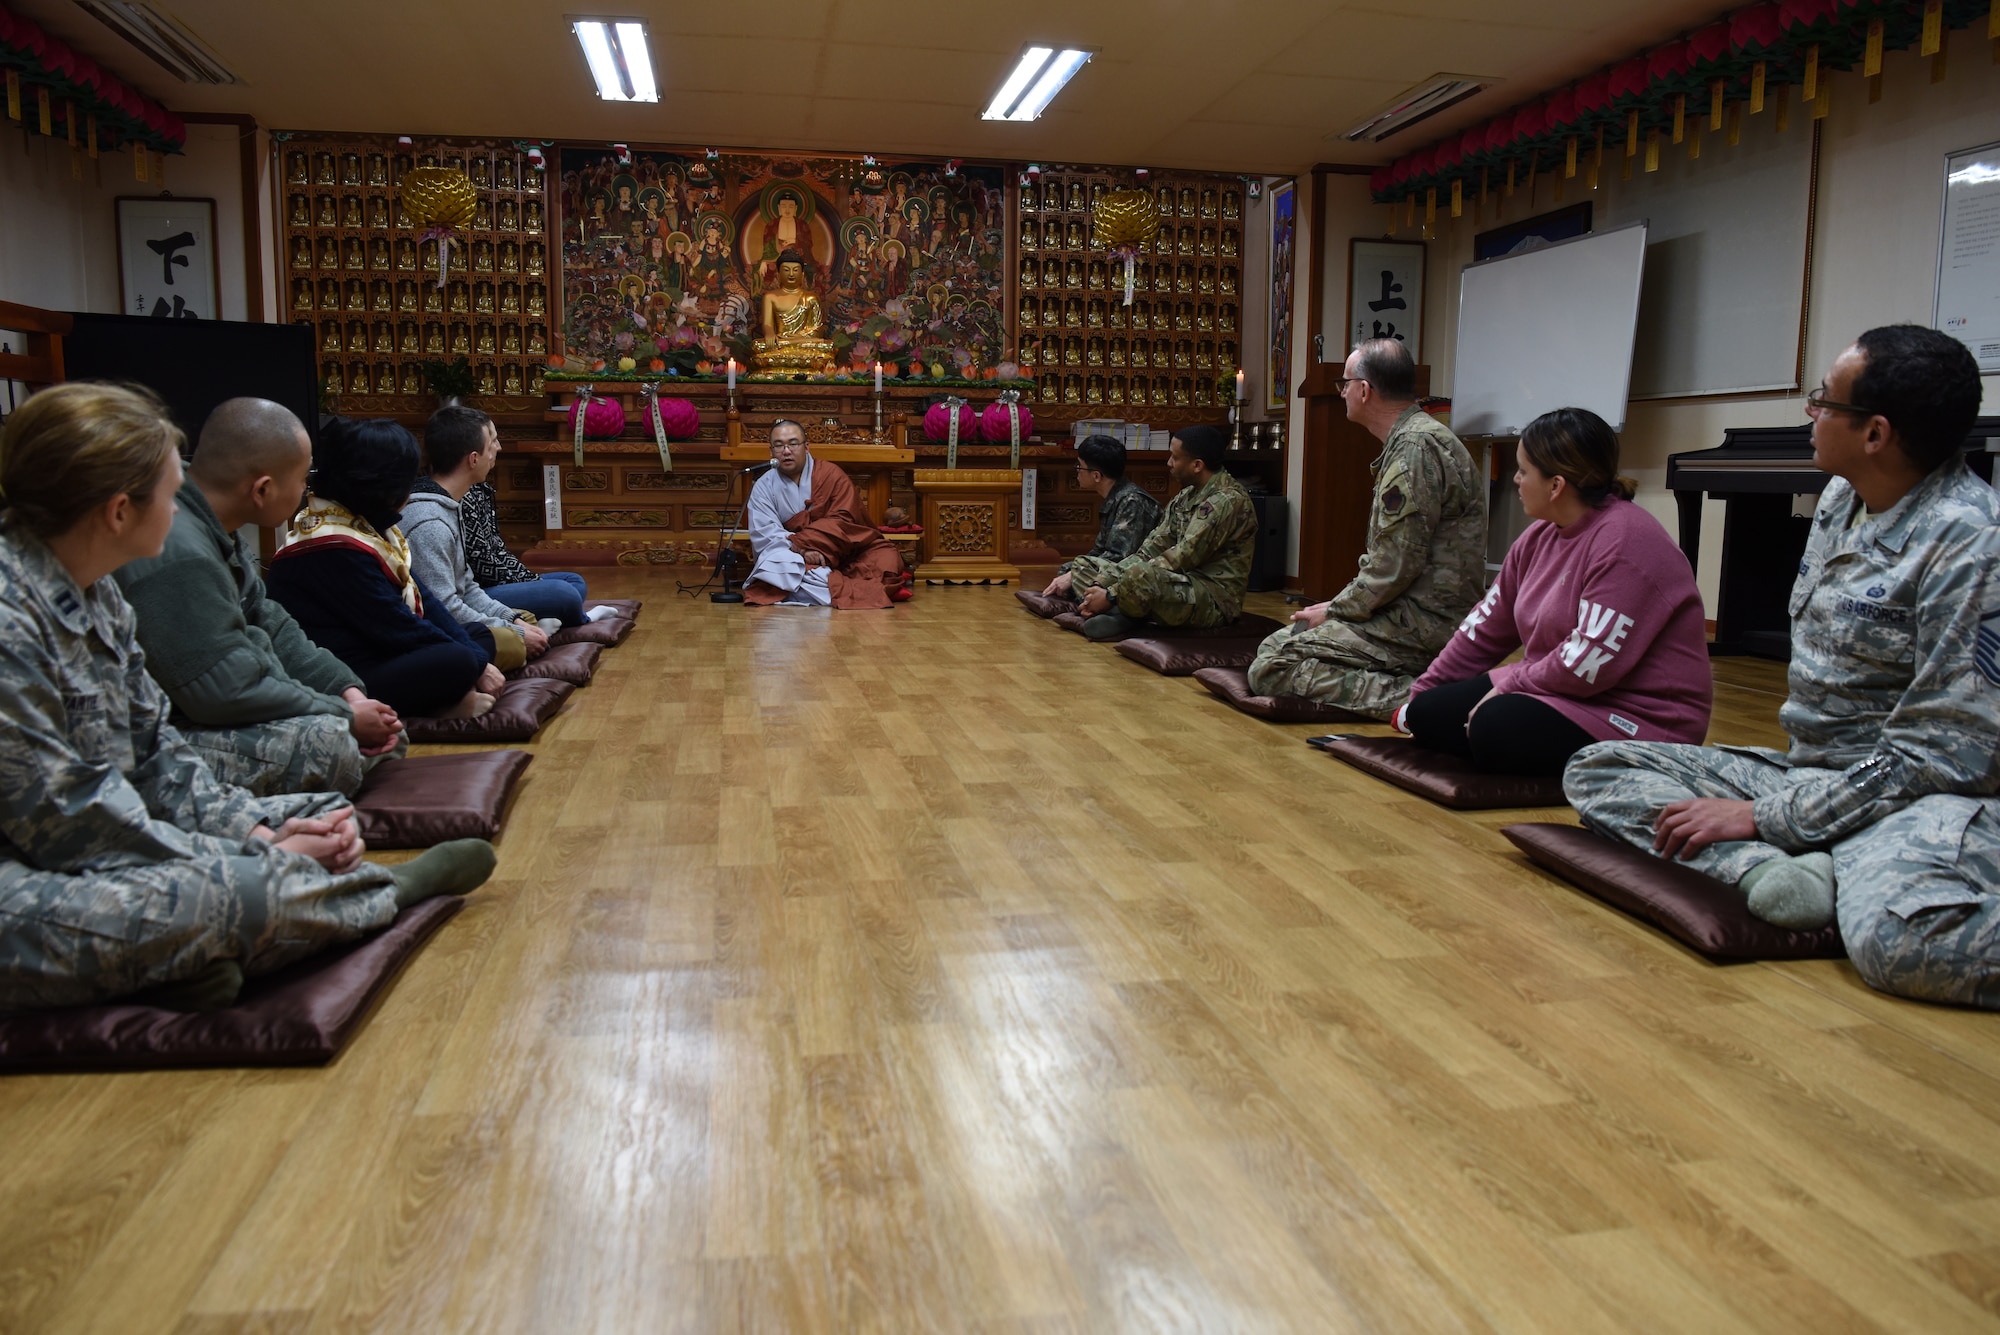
678 418
604 419
993 423
937 422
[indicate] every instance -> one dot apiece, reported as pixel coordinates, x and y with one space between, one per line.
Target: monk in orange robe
809 544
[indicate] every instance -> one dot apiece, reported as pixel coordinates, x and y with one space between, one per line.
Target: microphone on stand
758 468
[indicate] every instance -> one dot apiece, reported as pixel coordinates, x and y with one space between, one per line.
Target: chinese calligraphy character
1390 301
180 310
168 249
1385 330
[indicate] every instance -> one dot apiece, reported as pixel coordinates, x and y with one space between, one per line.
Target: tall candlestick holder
878 417
1236 425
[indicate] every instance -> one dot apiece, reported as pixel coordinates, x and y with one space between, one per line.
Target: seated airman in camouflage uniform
1424 568
268 709
1127 515
125 865
1882 816
1194 568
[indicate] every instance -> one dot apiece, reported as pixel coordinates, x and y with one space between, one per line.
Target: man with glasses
1424 567
1124 518
1882 815
809 542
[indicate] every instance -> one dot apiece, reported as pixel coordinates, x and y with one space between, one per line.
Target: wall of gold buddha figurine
354 272
1183 329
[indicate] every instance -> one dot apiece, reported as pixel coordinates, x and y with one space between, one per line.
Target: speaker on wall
1267 559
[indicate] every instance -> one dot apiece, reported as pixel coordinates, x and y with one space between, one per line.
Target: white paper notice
1968 286
551 497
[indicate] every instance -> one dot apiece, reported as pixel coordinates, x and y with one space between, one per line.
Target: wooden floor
933 970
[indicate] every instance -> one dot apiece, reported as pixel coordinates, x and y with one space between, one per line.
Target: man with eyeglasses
1422 571
809 544
1882 815
1127 514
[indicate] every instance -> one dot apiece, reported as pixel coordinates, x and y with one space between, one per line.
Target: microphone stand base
731 597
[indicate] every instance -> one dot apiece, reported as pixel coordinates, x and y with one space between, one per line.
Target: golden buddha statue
792 323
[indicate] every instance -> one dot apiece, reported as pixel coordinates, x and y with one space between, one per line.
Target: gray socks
454 868
1794 892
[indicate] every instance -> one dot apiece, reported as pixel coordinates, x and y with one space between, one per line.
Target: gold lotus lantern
439 200
1123 222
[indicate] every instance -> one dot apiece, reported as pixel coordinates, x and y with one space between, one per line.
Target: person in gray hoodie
460 449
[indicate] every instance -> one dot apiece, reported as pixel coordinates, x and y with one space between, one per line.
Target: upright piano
1755 472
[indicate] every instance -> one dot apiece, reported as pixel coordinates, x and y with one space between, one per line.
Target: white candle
1239 386
878 377
732 376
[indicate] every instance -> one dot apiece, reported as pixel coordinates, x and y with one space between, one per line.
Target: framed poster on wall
1968 279
1385 293
1284 237
166 257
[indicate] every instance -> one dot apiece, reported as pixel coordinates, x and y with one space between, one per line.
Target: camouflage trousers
1348 665
1153 592
1916 895
310 753
81 940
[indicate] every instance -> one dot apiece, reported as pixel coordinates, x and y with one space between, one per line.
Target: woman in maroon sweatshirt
1601 603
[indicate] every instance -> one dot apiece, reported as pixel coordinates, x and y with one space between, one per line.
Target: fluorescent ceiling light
1418 104
164 38
1042 72
620 62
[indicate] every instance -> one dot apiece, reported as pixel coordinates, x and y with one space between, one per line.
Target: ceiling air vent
162 37
1417 105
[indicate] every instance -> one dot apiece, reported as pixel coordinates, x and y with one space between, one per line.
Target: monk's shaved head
248 438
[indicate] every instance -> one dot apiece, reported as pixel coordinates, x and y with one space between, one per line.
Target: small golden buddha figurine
1204 392
1225 321
1051 390
329 294
510 217
1030 351
385 337
1208 202
378 214
485 346
510 298
406 255
1029 314
1206 244
538 341
357 295
1163 244
510 257
1141 350
1188 208
535 262
482 298
1185 241
1226 354
1096 276
409 340
1093 389
357 336
1183 355
301 215
356 257
1072 389
334 382
434 339
1184 278
454 163
385 377
1232 243
1093 314
537 299
1163 278
512 384
1232 204
433 299
380 298
482 217
503 173
1052 272
323 169
1093 352
1115 354
1115 315
378 169
510 340
481 172
531 217
1073 236
1206 281
295 169
1183 392
350 169
412 381
533 179
1073 275
1163 355
329 339
489 382
1115 392
403 219
1184 316
1204 317
1164 198
794 327
1073 313
1229 280
1076 196
350 211
302 294
461 341
1142 315
378 253
1031 236
1204 357
1052 234
404 162
1072 352
1030 273
329 253
460 298
1051 312
539 379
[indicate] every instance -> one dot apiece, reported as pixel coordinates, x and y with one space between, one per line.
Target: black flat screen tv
196 364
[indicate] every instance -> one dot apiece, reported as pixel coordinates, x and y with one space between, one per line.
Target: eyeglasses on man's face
787 446
1817 402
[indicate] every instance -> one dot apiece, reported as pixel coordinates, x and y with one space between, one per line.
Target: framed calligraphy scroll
166 257
1385 293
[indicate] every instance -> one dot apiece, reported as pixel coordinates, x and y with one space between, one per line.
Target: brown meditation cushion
1696 910
611 630
1248 626
300 1016
518 713
1444 779
1043 605
425 800
1184 658
1232 686
573 663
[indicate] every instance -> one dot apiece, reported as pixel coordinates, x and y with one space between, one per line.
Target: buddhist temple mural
681 258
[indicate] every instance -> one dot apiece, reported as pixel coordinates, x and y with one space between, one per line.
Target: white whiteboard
1729 237
1968 282
1548 328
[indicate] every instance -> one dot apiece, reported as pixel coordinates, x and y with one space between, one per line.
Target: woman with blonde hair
126 867
1601 604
